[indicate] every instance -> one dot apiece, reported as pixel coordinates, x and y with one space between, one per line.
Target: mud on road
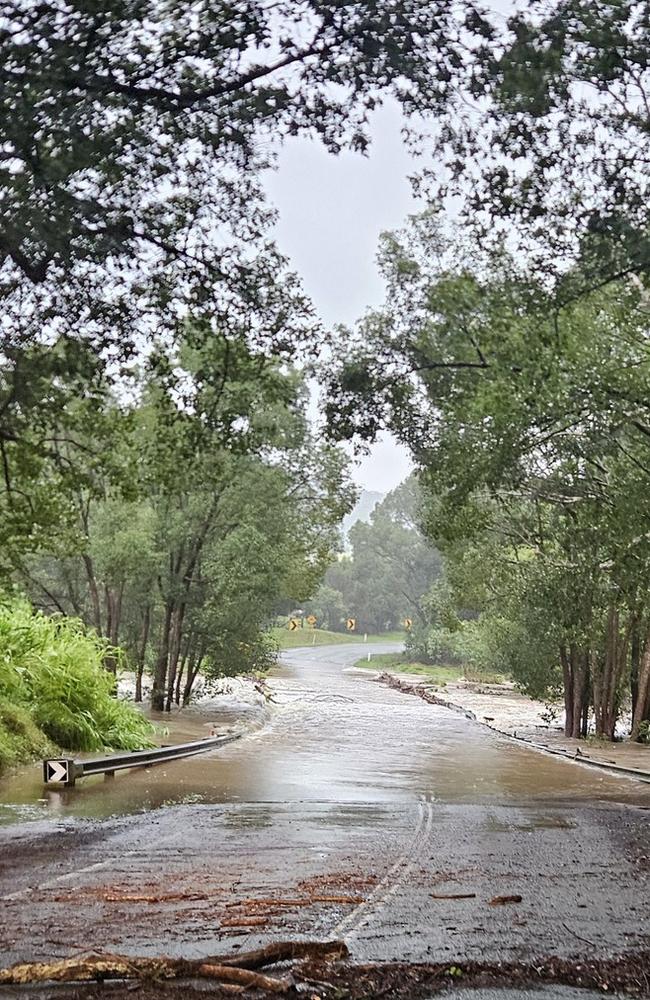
358 813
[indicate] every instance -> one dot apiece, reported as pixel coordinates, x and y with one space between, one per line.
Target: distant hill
362 510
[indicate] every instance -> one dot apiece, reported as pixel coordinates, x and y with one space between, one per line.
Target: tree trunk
584 724
635 659
144 639
192 673
160 669
113 619
575 668
186 658
94 593
608 675
174 653
642 703
567 679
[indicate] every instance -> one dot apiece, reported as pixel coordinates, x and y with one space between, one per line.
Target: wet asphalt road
357 812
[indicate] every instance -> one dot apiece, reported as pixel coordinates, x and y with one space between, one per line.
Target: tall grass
20 737
53 669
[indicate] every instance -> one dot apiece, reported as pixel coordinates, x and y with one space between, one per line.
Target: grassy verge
20 738
322 637
400 663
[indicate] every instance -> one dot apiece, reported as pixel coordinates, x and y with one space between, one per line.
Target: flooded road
353 811
331 734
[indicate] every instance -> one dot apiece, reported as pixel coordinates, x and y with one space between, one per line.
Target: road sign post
61 771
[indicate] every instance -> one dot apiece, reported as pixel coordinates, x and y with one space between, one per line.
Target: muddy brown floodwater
331 735
354 811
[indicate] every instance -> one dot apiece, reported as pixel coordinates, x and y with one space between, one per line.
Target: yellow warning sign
350 624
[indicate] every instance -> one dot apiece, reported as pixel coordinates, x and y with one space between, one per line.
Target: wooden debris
286 951
244 922
251 904
164 898
454 895
256 904
117 895
236 970
245 977
502 900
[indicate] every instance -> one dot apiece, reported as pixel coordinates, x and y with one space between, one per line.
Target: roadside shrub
644 732
20 737
433 645
53 668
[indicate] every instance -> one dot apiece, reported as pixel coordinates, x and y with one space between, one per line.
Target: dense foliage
223 506
530 426
54 686
133 138
544 137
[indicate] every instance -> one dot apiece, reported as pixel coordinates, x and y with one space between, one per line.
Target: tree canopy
529 425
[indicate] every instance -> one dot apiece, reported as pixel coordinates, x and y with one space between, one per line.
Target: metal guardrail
66 770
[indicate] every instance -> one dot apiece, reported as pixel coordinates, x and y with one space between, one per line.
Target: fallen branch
423 691
245 922
285 951
454 895
254 904
245 977
248 904
168 897
100 968
233 969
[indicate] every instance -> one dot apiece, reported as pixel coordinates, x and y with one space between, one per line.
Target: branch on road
230 969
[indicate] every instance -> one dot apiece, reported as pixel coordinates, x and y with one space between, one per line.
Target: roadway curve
357 811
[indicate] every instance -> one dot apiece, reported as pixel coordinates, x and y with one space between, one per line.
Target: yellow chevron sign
350 624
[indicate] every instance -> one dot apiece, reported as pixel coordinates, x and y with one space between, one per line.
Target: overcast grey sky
332 210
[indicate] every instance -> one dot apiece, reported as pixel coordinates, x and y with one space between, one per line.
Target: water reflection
332 736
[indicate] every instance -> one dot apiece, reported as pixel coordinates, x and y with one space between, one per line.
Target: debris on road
329 976
453 895
238 969
503 900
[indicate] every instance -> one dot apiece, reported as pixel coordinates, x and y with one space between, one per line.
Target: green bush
434 645
20 737
53 668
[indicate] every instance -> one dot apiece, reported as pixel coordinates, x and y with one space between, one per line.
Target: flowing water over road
332 735
355 810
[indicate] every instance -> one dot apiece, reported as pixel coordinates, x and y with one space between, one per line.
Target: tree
546 138
134 134
391 566
225 506
529 426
